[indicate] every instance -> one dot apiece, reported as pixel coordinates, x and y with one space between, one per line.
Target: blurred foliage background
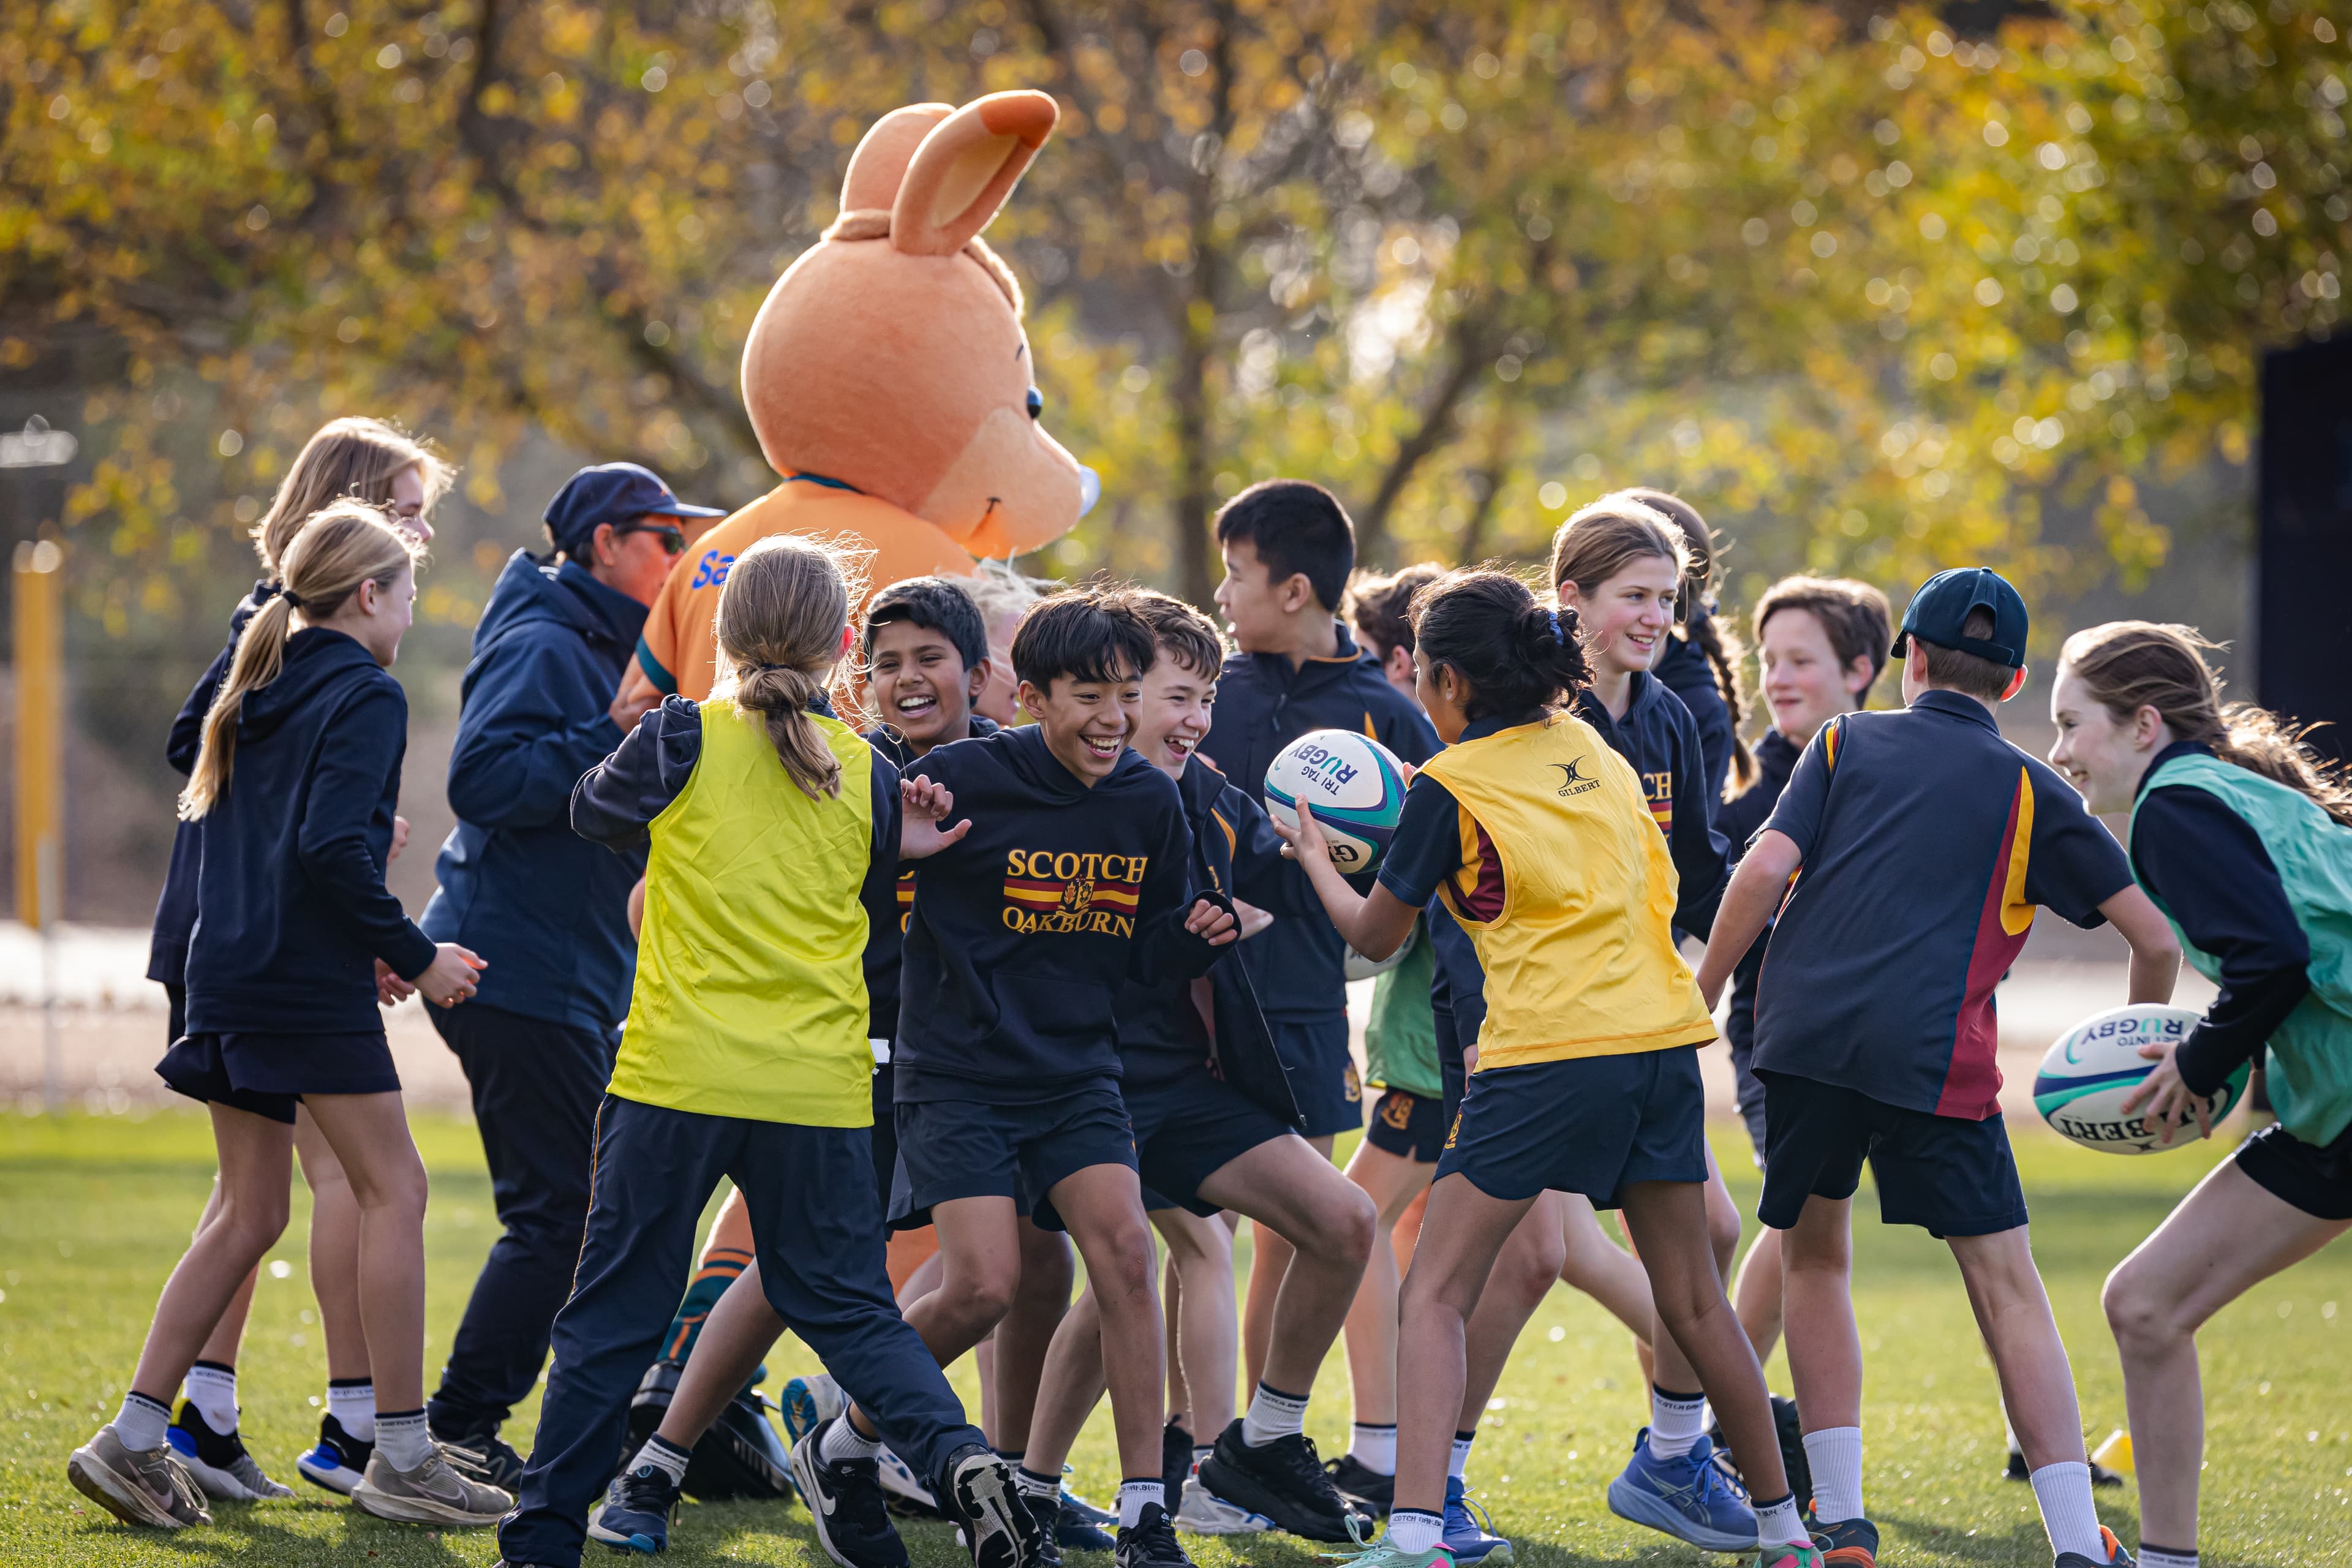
1881 288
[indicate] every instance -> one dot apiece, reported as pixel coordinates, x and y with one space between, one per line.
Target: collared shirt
1928 842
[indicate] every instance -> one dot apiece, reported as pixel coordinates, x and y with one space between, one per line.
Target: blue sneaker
1691 1499
636 1512
339 1460
1469 1531
809 1402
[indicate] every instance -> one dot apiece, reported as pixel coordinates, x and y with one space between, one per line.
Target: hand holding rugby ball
2088 1088
1353 785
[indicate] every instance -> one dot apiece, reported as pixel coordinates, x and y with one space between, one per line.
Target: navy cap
612 492
1941 608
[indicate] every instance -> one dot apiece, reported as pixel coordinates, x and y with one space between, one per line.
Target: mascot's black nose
1036 403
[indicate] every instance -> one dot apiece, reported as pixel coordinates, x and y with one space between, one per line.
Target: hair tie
1553 616
293 600
768 667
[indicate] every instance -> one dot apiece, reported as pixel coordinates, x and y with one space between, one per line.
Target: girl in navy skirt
295 781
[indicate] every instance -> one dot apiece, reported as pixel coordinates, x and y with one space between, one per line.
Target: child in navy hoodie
295 781
1007 1063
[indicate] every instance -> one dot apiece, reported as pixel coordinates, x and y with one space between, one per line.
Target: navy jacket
1162 1034
291 909
1660 737
548 910
1687 673
175 908
886 937
1024 929
1264 704
1742 815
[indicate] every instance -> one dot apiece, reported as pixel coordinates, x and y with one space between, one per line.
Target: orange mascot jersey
677 652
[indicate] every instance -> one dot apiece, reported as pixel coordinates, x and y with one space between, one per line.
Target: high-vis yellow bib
1581 962
751 997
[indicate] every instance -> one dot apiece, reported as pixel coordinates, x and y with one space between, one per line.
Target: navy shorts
1593 1125
1451 1074
951 1149
1750 1089
1946 1176
886 1135
1323 1077
1190 1129
267 1074
2315 1179
1410 1126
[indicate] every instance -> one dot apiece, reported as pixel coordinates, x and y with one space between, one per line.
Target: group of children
1061 985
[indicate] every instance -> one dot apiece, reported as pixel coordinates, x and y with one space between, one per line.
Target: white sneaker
1204 1513
903 1491
431 1493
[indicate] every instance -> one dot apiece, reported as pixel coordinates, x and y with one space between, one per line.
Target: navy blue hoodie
547 909
1264 704
1742 815
175 908
1660 737
1162 1035
885 940
1683 669
1024 930
291 909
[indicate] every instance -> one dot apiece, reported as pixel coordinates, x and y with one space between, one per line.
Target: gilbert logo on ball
1354 785
2093 1068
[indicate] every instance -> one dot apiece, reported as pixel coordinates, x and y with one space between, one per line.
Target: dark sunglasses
672 537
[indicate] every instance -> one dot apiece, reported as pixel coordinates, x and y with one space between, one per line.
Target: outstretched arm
1746 908
1376 923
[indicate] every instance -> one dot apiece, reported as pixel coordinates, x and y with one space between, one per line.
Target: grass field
94 1211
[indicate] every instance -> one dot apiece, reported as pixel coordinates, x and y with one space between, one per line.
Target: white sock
351 1401
2064 1490
1134 1495
1676 1420
1032 1484
1272 1413
1835 1454
1778 1523
403 1440
2164 1557
1410 1530
1374 1447
663 1456
1458 1467
140 1423
212 1389
843 1441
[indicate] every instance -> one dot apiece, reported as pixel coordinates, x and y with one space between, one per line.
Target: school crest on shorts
1354 1084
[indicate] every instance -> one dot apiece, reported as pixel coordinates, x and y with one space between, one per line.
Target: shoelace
646 1489
861 1500
1475 1513
1158 1540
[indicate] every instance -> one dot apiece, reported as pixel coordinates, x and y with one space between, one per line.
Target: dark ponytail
1516 653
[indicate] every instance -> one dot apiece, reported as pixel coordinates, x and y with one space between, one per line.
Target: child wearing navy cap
1926 842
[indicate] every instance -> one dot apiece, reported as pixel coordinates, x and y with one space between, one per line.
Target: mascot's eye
1036 403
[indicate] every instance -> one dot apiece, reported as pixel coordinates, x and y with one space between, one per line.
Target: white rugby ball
1354 785
2093 1067
1361 968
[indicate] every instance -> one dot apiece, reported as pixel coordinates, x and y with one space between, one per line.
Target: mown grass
94 1211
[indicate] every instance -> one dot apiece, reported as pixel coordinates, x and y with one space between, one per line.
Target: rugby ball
1358 967
2092 1069
1354 785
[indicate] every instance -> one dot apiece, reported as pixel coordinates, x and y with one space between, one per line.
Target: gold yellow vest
1581 960
750 995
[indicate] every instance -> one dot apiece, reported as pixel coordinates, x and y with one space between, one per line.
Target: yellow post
40 734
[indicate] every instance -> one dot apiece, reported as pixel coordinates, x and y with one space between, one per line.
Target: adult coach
548 910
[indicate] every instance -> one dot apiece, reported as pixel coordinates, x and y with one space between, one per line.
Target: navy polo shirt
1928 842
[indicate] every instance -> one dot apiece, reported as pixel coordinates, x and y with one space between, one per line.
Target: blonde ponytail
2130 665
326 560
780 615
350 458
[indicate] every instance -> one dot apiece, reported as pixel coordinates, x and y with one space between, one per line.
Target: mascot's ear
965 168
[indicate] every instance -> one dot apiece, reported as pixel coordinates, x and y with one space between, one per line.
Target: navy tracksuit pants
536 1086
817 1227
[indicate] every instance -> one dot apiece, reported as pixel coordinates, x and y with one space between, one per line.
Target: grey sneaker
431 1493
218 1461
150 1487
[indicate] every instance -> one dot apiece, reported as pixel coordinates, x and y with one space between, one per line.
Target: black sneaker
1077 1525
224 1471
1361 1485
2019 1470
1153 1543
1794 1462
636 1512
844 1502
996 1523
1048 1507
482 1455
1175 1460
338 1461
1286 1481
